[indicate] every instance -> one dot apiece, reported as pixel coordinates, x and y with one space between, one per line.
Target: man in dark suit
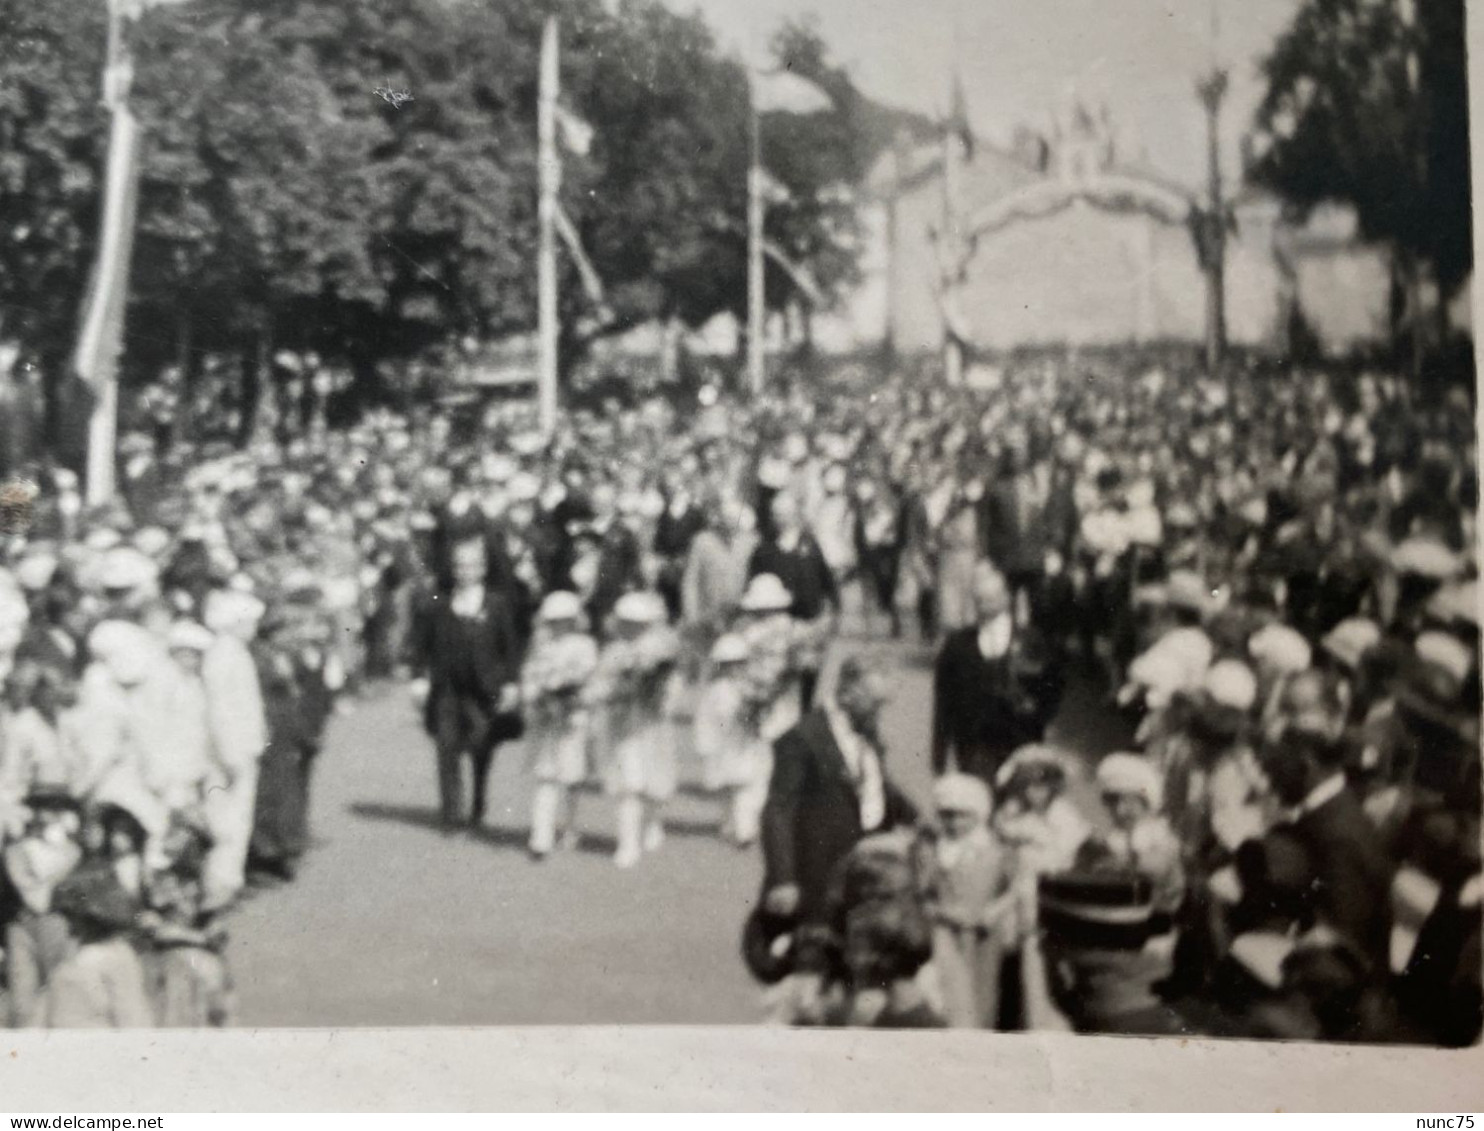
994 687
793 556
1028 517
1345 863
469 659
829 789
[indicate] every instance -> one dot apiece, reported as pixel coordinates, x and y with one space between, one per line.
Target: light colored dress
239 732
557 718
638 691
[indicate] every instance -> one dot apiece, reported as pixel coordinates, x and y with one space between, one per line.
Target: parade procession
1053 606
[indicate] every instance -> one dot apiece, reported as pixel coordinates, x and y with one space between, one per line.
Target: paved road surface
392 923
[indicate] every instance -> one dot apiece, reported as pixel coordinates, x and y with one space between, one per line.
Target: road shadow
419 817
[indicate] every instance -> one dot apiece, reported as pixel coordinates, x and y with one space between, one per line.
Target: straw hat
766 594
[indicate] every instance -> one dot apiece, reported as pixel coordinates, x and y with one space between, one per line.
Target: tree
357 178
53 128
1367 105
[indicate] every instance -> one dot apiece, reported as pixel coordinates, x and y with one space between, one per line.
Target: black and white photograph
808 514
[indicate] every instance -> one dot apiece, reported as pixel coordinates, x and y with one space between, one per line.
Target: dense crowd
1272 580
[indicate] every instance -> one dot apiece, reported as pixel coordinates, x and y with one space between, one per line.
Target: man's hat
729 649
1125 773
640 608
1351 641
962 793
1282 648
766 594
560 606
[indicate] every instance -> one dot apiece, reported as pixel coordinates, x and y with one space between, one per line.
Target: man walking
829 789
470 659
993 688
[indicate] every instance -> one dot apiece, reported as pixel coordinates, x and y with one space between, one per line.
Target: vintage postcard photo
796 513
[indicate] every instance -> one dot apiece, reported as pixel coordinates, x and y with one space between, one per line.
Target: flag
784 92
108 291
576 133
958 116
773 190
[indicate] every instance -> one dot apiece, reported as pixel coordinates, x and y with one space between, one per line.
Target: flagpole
953 354
756 285
102 327
551 178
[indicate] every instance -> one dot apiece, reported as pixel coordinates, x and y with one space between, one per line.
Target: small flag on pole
576 134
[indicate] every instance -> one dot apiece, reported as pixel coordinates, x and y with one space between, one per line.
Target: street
392 923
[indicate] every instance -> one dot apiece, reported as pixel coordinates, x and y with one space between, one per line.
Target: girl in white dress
559 668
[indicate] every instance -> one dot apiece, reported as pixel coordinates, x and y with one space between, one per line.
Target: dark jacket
812 817
470 657
1351 886
803 572
1017 538
984 709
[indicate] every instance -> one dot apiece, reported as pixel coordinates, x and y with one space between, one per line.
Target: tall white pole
953 353
551 180
102 334
757 299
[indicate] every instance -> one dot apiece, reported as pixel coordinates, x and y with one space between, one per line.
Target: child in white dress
637 690
556 673
732 762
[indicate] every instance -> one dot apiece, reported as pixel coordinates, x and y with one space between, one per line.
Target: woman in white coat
239 734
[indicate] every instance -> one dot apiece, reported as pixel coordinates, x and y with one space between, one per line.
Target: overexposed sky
1021 57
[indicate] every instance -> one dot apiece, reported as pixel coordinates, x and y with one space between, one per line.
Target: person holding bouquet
560 667
636 688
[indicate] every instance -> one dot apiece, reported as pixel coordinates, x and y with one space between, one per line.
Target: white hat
189 635
102 538
228 609
729 649
1445 651
561 605
152 540
773 474
527 443
1176 662
1184 589
1281 648
962 793
640 608
525 487
1352 640
1426 557
125 649
1131 773
1458 602
766 594
1230 683
124 567
14 612
36 569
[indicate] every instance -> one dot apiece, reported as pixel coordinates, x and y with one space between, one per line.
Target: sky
1021 58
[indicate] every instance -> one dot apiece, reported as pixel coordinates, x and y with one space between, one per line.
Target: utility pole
757 297
101 339
549 330
1212 91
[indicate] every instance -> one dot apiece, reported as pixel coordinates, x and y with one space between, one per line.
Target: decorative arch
1111 192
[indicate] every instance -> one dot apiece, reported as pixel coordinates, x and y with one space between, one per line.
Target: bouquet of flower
556 674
